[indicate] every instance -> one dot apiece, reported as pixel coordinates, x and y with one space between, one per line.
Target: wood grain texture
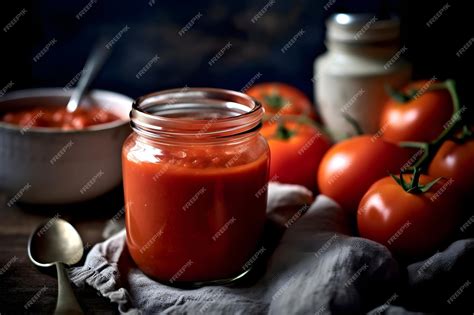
26 289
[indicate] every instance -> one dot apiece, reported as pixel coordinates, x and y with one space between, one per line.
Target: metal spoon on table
58 243
91 69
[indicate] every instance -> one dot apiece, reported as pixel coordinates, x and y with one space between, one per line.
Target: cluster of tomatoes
422 137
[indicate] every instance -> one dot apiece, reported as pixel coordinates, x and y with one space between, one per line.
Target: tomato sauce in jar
59 117
195 173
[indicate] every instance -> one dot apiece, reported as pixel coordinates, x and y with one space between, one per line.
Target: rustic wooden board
26 289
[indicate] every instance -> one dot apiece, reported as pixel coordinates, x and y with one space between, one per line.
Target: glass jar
195 171
364 56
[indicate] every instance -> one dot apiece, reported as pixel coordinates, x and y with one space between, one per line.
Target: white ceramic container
52 166
364 55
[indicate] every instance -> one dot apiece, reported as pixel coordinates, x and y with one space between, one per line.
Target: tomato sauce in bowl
59 117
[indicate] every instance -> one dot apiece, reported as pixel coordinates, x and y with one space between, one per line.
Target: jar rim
182 113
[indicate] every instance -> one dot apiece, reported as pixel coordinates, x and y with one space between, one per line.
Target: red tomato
351 166
411 225
421 118
455 160
296 150
282 98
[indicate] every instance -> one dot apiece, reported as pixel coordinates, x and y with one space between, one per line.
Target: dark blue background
184 60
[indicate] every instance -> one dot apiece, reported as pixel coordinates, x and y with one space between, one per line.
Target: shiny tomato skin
287 100
351 166
410 225
455 160
295 160
421 119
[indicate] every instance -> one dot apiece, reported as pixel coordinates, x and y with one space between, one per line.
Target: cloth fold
316 267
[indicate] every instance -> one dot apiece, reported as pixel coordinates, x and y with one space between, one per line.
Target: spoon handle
91 69
67 303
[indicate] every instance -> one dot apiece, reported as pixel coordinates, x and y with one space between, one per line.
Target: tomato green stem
354 123
430 148
301 119
275 100
414 187
397 95
424 146
282 132
466 133
402 97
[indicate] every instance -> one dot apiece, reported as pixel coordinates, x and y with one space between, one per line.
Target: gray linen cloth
316 267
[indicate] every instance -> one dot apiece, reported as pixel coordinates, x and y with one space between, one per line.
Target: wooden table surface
26 289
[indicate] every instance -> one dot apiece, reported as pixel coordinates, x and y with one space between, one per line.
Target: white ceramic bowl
51 166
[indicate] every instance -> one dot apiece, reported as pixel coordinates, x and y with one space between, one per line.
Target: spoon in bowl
58 243
91 69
